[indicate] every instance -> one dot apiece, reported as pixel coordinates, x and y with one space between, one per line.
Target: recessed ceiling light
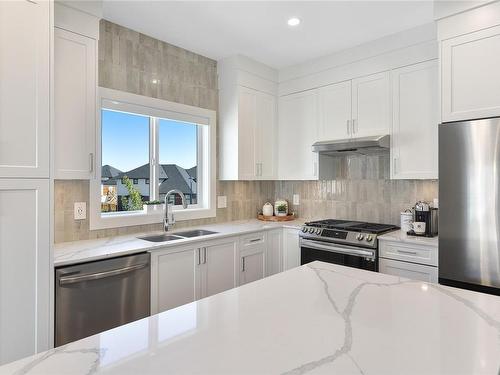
294 21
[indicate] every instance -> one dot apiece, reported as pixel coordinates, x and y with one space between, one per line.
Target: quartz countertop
67 253
401 236
319 318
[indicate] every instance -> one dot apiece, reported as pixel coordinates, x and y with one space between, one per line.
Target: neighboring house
109 196
171 176
178 178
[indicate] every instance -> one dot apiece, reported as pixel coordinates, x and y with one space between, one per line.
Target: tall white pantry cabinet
25 255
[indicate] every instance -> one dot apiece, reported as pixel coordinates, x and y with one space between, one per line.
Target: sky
125 141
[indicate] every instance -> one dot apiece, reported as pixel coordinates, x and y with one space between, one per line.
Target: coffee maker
429 215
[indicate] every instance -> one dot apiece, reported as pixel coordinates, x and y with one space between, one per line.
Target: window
149 147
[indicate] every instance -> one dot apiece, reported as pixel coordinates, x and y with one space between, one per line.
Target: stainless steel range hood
364 146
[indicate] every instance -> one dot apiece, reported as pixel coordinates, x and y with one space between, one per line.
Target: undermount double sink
165 237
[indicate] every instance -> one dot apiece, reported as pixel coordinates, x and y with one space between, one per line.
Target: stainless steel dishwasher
96 296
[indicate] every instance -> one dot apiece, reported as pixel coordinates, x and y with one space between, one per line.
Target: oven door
350 256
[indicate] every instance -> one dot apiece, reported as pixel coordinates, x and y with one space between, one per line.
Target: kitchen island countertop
315 319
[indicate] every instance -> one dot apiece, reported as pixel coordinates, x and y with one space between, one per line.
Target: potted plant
281 209
152 206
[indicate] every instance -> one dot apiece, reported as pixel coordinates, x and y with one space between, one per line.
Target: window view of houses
125 181
116 193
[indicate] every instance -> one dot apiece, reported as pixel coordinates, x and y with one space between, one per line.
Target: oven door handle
337 249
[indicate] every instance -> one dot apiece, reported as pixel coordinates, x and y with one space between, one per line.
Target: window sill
126 219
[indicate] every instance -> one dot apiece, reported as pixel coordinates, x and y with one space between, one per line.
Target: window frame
156 109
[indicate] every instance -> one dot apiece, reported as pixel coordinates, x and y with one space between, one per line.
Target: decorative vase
267 209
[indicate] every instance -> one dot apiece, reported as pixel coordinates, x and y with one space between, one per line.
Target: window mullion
153 159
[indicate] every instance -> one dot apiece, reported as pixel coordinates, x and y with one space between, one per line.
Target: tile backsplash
129 61
361 190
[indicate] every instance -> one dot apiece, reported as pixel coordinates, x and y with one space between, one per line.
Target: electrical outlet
221 201
80 210
296 199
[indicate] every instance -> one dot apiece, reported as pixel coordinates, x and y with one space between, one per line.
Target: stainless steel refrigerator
469 204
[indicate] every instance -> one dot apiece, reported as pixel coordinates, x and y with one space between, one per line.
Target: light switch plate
221 201
296 199
80 210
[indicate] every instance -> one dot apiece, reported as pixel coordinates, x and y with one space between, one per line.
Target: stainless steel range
344 242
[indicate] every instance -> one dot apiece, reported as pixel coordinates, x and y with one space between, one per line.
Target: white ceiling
258 29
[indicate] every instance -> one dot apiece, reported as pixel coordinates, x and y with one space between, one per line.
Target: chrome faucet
169 215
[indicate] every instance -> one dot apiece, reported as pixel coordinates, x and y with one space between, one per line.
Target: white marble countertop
87 250
315 319
401 236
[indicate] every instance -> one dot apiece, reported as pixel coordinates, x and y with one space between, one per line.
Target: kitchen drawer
409 270
409 252
253 239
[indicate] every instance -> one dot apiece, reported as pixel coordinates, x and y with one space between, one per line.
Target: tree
134 200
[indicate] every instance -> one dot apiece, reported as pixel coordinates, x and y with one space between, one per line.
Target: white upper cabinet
298 130
415 121
75 86
25 265
248 134
265 137
471 75
371 108
335 111
24 88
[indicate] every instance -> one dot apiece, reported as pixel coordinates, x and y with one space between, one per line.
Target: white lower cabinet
274 254
25 268
291 248
414 261
252 265
218 267
409 270
174 278
252 250
186 274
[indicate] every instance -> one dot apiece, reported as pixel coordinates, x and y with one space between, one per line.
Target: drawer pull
255 240
407 252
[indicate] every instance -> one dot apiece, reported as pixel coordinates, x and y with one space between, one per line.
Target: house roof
177 178
108 171
139 172
193 172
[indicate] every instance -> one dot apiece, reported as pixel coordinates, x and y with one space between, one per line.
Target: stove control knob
318 231
311 230
304 229
369 238
360 237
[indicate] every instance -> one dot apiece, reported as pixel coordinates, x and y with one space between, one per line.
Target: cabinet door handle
395 165
348 127
407 252
199 256
204 255
260 170
354 126
243 264
91 162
